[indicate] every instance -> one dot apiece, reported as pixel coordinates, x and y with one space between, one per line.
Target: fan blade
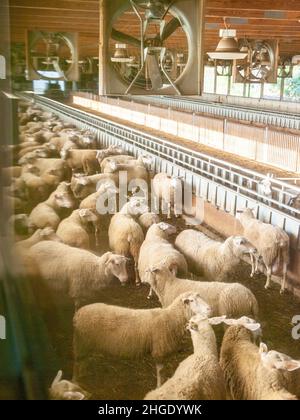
124 38
170 28
154 72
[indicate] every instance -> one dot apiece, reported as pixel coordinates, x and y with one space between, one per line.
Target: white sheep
47 234
83 186
125 234
134 333
116 159
74 230
62 389
77 272
230 299
168 189
81 159
146 220
199 377
246 377
272 244
157 248
212 259
49 212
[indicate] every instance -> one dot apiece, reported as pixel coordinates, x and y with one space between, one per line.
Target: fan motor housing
191 16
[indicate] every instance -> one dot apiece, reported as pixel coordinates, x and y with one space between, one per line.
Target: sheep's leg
252 258
269 277
256 264
137 277
283 282
151 293
159 368
169 210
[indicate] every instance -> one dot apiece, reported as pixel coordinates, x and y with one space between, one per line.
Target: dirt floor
218 154
127 379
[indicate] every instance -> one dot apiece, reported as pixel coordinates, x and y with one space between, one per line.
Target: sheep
132 333
272 244
77 272
74 230
125 234
169 190
157 248
81 160
135 171
246 377
62 389
118 159
52 169
214 260
230 299
49 212
146 220
47 234
106 153
36 187
288 368
199 377
30 157
83 186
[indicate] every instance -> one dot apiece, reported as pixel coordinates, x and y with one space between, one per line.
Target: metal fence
271 146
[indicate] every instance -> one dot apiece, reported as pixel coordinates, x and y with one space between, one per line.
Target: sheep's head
245 214
135 207
167 229
64 197
275 360
195 305
88 216
241 246
66 390
79 184
245 324
116 265
48 234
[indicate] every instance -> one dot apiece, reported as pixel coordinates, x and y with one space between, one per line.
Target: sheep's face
88 216
242 246
135 207
66 390
275 360
195 305
116 265
168 230
79 185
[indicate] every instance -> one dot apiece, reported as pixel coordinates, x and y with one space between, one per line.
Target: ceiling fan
157 25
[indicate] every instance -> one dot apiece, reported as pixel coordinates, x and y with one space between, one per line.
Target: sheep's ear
217 320
57 378
289 365
252 327
263 348
73 395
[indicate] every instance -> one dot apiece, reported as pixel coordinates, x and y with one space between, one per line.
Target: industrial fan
261 64
144 52
52 56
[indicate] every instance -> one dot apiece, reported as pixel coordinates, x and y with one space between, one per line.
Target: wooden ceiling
267 19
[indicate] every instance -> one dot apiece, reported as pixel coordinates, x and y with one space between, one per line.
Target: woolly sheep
49 212
272 244
246 377
47 234
214 260
74 230
62 389
125 234
106 153
132 333
169 190
81 160
118 160
83 186
199 377
77 272
230 299
157 248
146 220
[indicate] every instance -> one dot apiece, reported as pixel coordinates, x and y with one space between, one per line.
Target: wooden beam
276 5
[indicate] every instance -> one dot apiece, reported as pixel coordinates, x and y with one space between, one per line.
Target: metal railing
236 112
226 186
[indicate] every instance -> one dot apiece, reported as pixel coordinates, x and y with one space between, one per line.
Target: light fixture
121 54
228 48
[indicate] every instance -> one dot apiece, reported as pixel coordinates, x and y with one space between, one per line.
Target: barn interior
196 96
